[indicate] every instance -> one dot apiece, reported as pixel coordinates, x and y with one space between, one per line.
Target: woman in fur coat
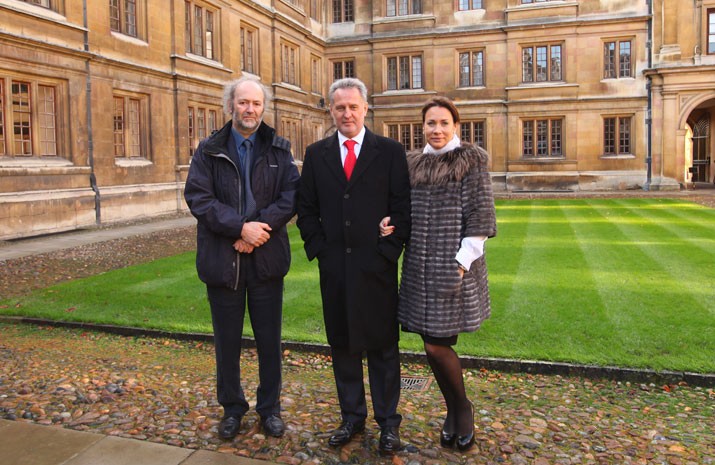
444 290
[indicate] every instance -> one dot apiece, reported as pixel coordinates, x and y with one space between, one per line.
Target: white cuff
472 248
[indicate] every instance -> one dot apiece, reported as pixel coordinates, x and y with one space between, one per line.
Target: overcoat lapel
332 158
368 152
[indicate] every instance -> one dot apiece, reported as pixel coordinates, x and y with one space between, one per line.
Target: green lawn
627 282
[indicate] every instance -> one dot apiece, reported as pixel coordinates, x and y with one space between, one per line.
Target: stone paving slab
31 444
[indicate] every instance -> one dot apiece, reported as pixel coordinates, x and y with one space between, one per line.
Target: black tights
447 370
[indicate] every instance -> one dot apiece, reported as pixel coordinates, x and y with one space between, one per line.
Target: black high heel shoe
446 439
464 443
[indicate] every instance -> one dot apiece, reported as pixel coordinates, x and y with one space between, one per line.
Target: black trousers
265 308
384 374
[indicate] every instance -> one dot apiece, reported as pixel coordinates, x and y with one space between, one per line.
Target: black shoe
273 425
389 440
345 433
229 426
447 439
464 443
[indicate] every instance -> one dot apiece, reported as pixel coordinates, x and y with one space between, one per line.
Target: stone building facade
102 102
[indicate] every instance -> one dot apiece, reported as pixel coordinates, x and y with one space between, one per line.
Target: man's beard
240 126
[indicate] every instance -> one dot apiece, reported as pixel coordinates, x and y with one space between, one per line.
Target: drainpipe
90 140
649 90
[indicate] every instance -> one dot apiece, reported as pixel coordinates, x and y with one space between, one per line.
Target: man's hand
243 246
255 233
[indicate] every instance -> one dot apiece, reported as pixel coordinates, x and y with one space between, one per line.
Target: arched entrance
700 148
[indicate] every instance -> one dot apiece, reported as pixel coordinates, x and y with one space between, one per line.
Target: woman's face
438 127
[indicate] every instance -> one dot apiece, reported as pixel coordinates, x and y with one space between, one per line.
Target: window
202 122
471 69
541 63
343 69
404 72
617 67
123 16
129 126
343 11
315 74
542 138
403 7
53 5
474 132
711 31
29 125
201 27
410 135
465 5
249 49
617 135
289 63
290 129
524 2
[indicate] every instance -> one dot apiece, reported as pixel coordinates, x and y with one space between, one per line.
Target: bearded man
241 188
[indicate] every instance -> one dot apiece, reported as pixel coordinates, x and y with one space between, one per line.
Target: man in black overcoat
338 216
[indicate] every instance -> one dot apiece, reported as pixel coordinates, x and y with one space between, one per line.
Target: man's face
348 111
248 108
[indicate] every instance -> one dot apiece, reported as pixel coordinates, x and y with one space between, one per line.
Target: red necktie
350 159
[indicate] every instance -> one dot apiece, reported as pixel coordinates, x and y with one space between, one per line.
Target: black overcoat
339 224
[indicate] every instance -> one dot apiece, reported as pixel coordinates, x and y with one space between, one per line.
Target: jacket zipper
240 202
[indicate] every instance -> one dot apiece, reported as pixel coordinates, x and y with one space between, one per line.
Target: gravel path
163 391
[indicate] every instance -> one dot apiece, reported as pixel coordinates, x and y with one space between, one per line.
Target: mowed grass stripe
669 321
688 222
551 286
672 244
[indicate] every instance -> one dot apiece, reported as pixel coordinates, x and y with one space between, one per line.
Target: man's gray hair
230 89
347 83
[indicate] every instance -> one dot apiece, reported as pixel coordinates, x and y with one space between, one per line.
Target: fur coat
451 199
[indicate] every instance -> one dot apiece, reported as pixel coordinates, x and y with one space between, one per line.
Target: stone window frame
612 137
291 129
471 76
130 134
474 131
343 68
290 63
534 69
410 134
613 67
205 42
343 11
398 71
195 130
249 52
469 5
532 137
394 8
118 21
43 121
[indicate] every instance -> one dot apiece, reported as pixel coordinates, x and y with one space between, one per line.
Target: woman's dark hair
443 102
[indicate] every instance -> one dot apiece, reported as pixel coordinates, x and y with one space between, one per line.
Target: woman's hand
385 228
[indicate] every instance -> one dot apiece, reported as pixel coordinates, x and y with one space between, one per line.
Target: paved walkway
37 245
30 444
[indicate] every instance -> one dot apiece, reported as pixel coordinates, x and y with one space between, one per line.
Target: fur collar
438 170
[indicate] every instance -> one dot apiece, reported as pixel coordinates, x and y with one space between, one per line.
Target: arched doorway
700 145
700 168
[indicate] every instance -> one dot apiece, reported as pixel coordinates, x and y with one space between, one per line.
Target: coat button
346 196
347 223
348 250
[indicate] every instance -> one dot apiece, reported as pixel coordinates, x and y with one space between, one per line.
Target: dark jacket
214 194
339 223
451 199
